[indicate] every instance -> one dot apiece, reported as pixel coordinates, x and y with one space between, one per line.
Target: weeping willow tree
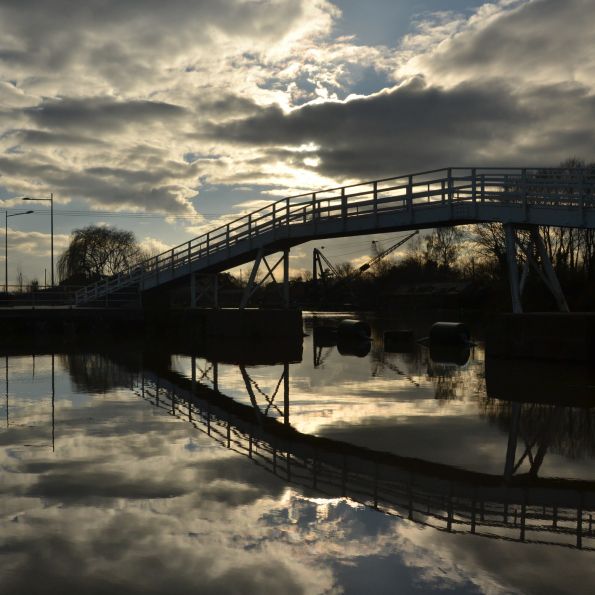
95 252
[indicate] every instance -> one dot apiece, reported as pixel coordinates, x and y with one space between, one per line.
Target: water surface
340 469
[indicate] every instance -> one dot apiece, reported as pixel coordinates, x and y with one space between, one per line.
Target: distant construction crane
320 261
386 252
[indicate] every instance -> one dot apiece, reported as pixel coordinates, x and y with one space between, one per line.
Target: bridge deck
453 196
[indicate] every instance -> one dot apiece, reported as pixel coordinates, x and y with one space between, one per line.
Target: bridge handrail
450 186
424 496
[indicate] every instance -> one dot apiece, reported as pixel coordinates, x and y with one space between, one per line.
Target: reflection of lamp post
51 199
6 216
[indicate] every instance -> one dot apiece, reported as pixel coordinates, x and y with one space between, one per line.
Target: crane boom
319 259
386 252
317 269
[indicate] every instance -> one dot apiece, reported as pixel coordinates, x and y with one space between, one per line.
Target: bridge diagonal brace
248 384
552 280
271 270
253 285
249 291
543 267
530 262
271 400
513 272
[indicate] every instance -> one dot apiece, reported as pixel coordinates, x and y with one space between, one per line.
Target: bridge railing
444 505
505 186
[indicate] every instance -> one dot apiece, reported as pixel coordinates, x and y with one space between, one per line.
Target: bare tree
345 269
443 246
95 252
414 253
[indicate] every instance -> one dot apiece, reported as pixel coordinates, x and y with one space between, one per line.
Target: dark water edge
319 469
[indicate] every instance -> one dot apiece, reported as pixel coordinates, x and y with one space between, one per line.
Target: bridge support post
533 249
513 272
551 279
253 285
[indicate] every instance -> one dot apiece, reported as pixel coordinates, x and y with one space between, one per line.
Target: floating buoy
356 347
354 329
450 355
449 333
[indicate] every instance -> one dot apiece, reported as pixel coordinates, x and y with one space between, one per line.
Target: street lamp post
6 216
51 199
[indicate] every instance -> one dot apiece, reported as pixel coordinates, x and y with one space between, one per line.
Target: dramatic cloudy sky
179 114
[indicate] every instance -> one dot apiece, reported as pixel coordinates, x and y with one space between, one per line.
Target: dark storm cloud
60 33
409 126
101 115
85 483
228 105
52 139
420 126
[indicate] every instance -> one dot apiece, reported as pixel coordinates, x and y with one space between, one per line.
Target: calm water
339 469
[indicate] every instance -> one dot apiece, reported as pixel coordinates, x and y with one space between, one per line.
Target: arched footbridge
518 198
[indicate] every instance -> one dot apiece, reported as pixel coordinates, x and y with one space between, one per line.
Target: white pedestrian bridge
519 198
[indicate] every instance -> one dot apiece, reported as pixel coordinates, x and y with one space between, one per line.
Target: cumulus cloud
115 71
528 42
460 99
140 105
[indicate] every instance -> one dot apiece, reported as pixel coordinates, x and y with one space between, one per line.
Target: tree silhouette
95 252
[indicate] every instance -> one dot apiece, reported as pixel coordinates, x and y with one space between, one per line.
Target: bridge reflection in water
512 506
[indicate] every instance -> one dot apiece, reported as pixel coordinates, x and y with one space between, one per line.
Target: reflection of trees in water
93 372
567 431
